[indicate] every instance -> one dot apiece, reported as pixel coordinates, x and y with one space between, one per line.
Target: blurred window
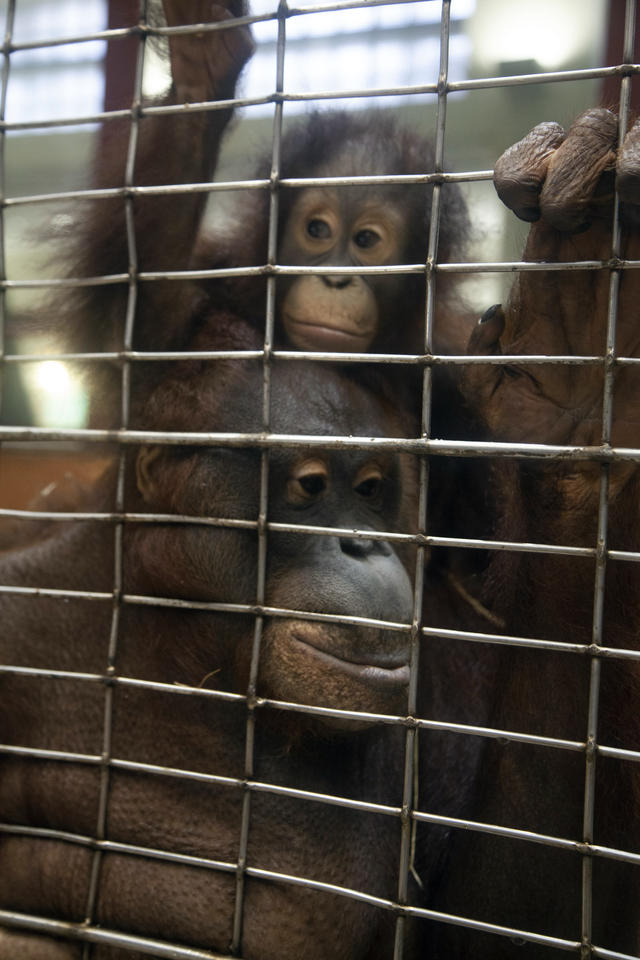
368 47
56 82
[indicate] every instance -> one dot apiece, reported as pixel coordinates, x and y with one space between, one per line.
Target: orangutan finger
576 168
628 170
521 170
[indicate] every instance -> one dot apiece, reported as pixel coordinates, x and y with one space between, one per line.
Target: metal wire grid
4 86
604 454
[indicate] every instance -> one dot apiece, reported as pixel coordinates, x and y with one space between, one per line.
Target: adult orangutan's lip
384 674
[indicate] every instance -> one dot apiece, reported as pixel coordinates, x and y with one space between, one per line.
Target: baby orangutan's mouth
319 336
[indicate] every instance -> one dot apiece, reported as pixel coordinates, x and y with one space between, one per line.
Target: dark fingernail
490 313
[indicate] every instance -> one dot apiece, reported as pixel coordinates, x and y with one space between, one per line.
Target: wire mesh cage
178 778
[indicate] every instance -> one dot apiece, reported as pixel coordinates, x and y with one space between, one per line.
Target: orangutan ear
145 471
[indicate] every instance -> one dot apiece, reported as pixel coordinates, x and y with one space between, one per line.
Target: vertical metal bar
603 515
125 397
272 253
410 797
4 88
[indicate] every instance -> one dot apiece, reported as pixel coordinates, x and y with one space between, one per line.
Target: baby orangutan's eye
366 239
318 229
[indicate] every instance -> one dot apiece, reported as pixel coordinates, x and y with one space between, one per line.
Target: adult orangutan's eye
308 482
368 483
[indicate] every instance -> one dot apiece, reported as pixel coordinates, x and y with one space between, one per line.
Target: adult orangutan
564 183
